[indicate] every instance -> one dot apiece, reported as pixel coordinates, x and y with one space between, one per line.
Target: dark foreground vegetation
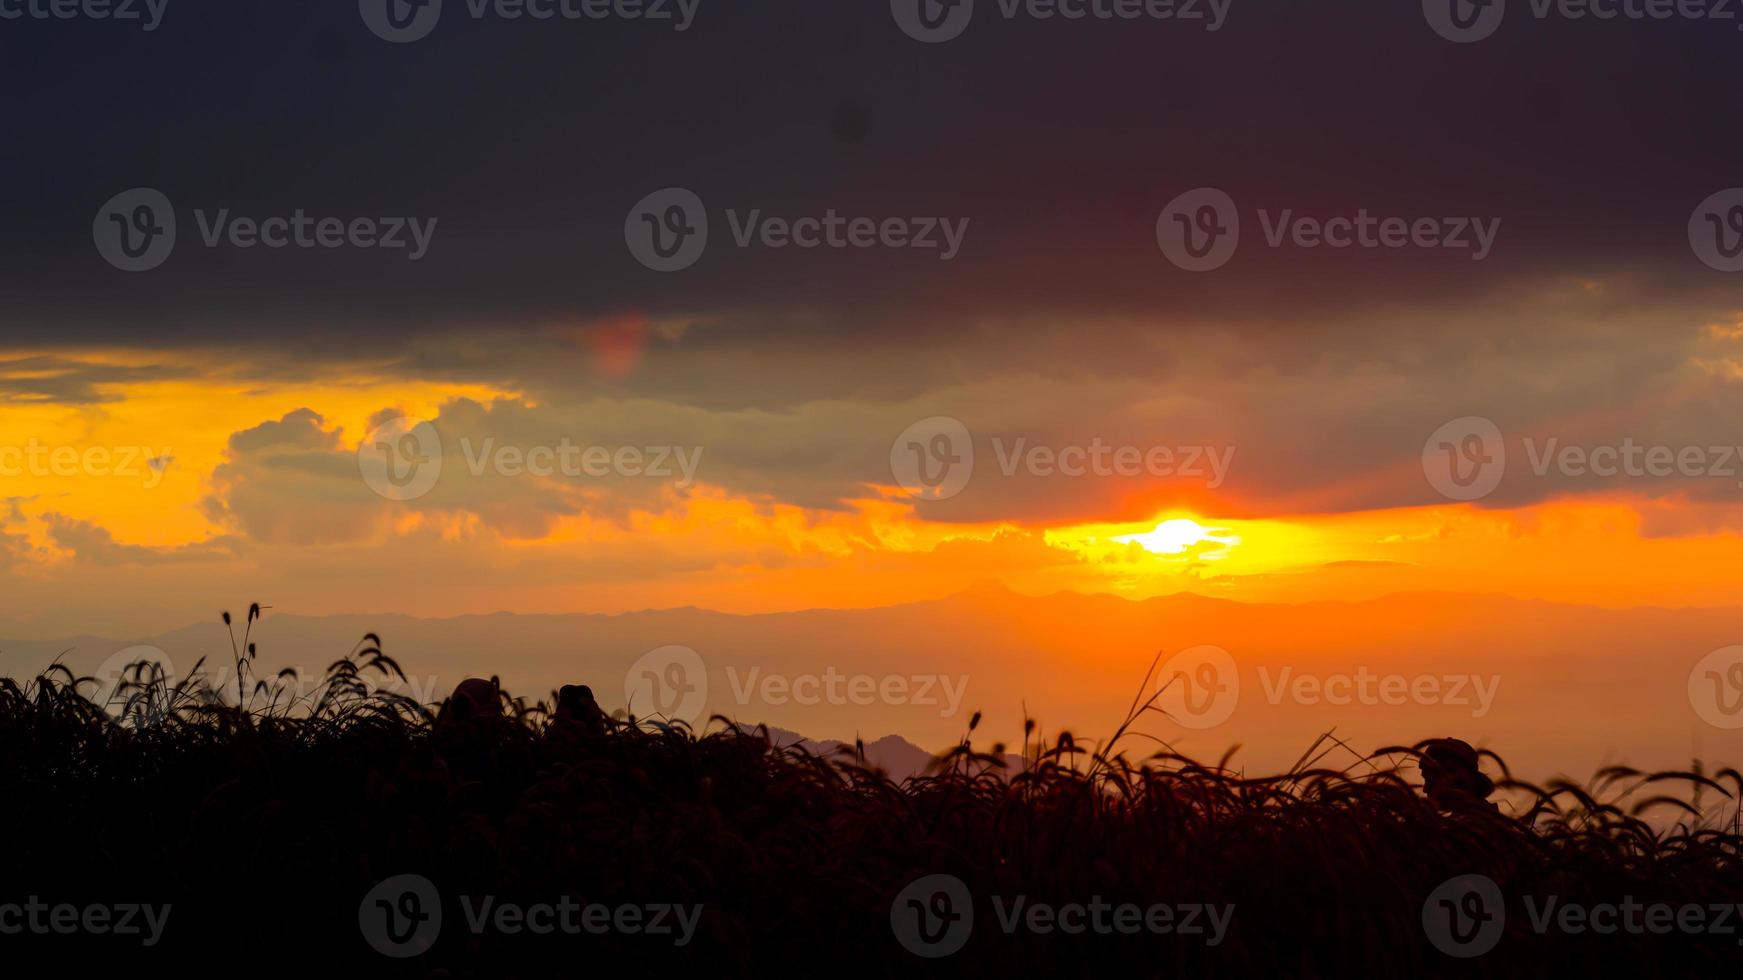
264 819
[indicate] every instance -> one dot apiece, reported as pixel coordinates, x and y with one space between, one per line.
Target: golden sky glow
208 522
189 421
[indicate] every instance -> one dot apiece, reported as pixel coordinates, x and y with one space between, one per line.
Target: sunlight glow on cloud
256 481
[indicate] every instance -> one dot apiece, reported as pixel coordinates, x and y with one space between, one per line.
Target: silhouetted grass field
265 820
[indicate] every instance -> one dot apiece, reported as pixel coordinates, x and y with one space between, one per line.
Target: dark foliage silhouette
265 817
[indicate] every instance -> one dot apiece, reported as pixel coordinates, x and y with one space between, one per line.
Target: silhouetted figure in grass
471 729
1451 778
577 726
578 713
473 699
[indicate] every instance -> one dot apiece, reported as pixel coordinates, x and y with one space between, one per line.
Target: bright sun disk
1174 536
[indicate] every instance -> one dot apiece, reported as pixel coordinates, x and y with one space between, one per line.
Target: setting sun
1174 536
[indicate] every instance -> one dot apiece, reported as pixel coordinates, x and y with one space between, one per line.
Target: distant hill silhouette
896 756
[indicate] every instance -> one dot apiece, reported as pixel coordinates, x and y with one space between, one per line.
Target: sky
999 360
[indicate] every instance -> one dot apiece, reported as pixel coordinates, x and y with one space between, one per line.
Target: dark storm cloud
1060 141
70 382
507 155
